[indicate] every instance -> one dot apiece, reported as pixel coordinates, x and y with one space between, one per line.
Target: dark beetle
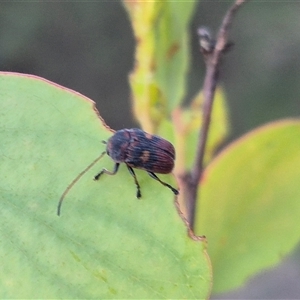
140 150
137 149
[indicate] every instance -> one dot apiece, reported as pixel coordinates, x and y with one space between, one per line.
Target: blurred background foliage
89 47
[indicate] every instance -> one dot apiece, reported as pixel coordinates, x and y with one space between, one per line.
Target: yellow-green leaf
186 123
249 207
172 50
162 55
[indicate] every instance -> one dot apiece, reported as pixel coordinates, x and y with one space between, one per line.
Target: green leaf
172 49
249 206
162 56
106 244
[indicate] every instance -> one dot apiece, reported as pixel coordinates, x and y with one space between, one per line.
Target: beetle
138 150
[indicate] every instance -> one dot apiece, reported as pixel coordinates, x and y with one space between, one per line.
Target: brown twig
213 60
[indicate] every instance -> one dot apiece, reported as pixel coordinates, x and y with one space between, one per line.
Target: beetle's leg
107 172
138 193
163 183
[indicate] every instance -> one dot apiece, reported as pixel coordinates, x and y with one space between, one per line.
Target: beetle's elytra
137 149
141 150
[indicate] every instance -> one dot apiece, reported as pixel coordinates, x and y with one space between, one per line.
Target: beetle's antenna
75 180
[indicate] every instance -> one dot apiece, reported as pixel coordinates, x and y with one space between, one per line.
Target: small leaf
106 244
249 207
186 123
